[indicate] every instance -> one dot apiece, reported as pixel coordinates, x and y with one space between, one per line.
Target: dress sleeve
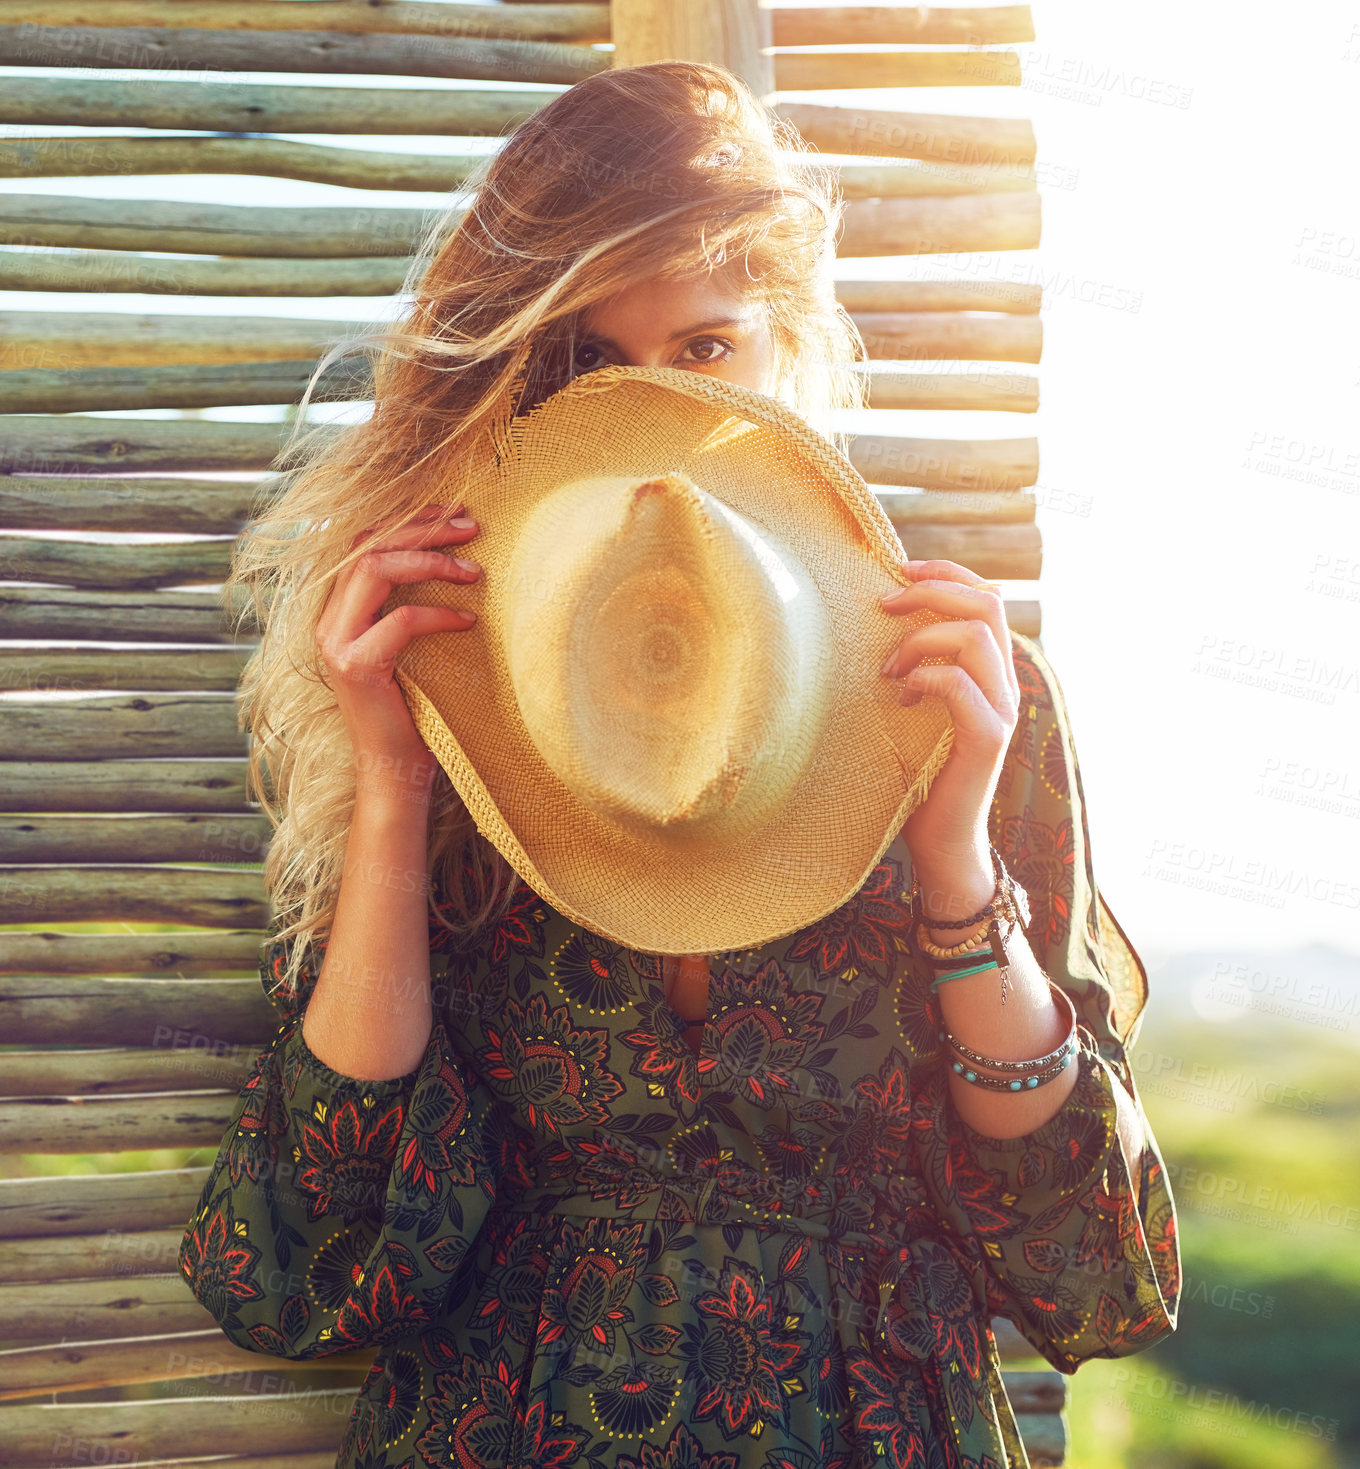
338 1211
1073 1224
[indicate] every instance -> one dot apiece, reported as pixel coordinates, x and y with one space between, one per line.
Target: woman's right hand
359 653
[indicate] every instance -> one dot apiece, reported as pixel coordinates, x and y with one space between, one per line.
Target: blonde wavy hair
644 172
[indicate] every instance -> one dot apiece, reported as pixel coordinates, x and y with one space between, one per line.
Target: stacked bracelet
1031 1074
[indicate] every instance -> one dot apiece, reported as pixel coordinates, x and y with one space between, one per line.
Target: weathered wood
972 222
187 837
38 445
808 71
950 507
162 1199
935 336
982 295
899 25
995 392
179 955
584 24
84 1366
355 168
736 34
117 270
120 617
198 670
123 785
215 229
256 1424
113 1252
121 726
1004 552
199 1013
207 897
932 137
90 1310
184 385
946 464
115 503
463 58
119 1072
110 1125
251 108
99 564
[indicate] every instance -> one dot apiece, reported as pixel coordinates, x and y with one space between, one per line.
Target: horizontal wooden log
130 1069
206 507
926 508
197 1014
187 837
938 336
973 390
983 465
93 156
583 24
121 726
212 229
93 1309
123 785
808 71
121 617
184 385
999 552
160 1199
179 955
38 445
106 271
99 564
1009 296
216 1364
256 1424
929 136
899 25
238 107
206 897
198 670
970 223
464 58
112 1125
112 1252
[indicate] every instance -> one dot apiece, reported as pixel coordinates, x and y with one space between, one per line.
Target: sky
1199 483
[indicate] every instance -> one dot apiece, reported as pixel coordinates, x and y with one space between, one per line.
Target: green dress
577 1245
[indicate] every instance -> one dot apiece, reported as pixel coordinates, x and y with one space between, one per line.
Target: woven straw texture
657 889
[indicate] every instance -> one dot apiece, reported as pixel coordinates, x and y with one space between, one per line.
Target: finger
431 526
360 599
940 569
976 601
974 648
974 717
373 653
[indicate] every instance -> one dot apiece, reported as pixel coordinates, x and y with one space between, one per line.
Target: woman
606 1207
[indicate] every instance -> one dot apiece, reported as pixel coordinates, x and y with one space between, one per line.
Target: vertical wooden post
731 33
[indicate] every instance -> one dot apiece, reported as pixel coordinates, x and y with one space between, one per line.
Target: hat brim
877 757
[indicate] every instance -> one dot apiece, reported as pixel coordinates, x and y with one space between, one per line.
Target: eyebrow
689 331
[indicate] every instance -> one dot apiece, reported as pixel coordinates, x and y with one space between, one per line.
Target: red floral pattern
578 1245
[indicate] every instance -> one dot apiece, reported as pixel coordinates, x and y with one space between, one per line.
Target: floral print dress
576 1243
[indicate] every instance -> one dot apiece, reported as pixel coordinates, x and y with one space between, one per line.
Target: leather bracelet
1000 1084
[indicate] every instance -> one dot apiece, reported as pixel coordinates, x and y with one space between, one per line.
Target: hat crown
672 660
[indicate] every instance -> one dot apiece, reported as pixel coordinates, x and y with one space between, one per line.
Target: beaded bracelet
1042 1069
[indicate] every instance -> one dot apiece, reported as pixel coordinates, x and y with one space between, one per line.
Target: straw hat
669 715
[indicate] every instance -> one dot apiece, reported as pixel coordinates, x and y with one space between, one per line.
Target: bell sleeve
1073 1225
338 1211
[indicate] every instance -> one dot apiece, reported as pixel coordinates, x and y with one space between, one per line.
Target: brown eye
723 352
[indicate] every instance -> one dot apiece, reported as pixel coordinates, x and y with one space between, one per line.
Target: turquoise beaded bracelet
1041 1069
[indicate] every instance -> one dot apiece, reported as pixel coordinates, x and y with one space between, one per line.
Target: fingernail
466 564
890 663
462 522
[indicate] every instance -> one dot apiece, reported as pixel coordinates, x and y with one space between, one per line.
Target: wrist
952 888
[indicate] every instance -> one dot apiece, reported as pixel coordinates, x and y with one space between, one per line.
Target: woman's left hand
982 694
